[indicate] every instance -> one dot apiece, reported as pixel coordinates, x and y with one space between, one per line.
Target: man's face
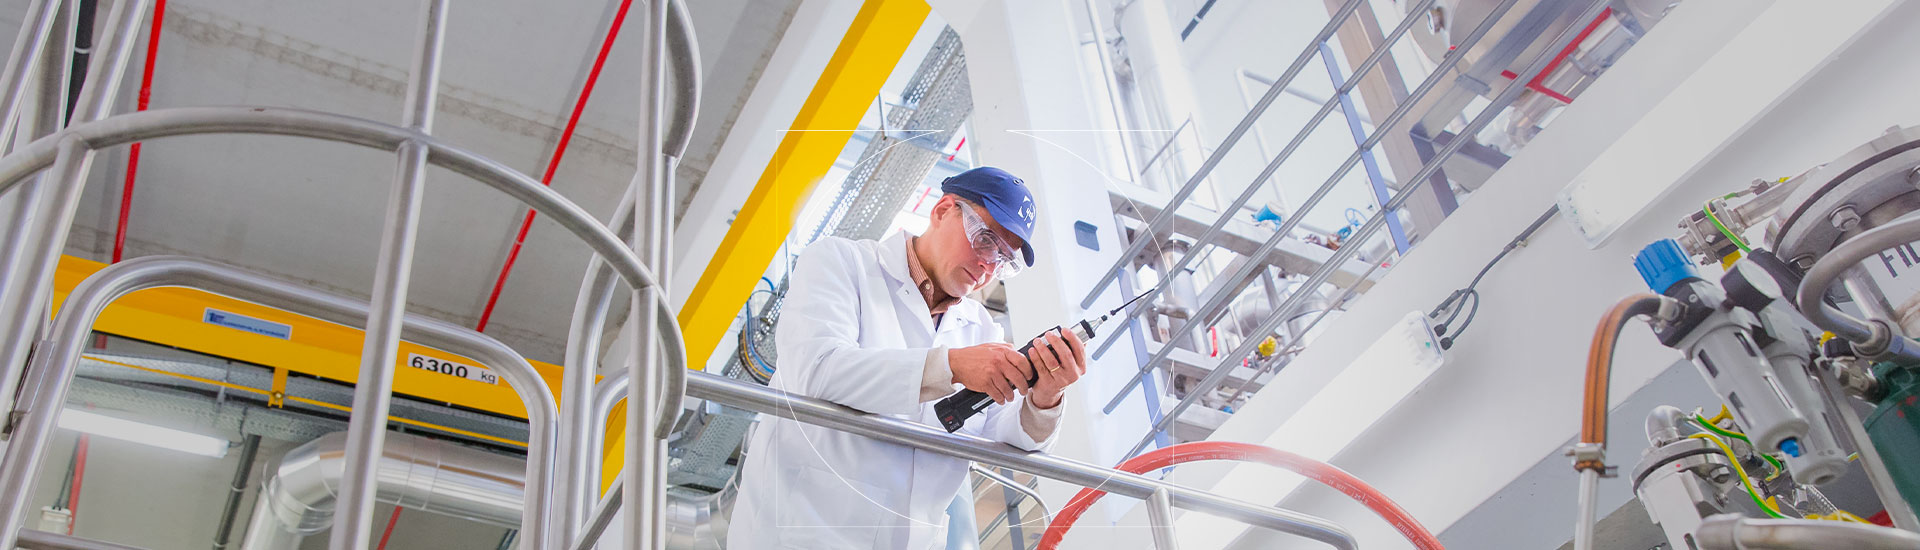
959 267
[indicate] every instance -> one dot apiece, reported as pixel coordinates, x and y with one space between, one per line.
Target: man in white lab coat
886 327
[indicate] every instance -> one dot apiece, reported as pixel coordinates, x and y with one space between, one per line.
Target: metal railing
1385 215
49 173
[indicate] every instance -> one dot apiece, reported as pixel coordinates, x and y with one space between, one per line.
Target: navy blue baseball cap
1003 195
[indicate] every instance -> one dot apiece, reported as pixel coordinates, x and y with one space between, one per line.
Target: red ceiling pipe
1228 450
133 155
391 521
553 164
79 474
1538 82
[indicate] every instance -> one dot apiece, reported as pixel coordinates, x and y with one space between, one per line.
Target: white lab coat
854 330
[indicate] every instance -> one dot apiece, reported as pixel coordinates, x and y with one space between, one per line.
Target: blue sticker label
241 322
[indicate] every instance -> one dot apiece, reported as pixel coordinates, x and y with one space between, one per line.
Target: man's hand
995 369
1060 358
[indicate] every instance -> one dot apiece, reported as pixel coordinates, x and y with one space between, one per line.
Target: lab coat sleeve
820 352
1009 423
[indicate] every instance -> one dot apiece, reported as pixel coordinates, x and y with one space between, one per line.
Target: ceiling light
145 434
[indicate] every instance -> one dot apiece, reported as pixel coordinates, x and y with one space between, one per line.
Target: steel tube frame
827 414
1015 486
1166 217
61 151
1374 223
580 465
54 369
1873 338
646 457
373 389
27 273
1326 107
1160 519
1381 131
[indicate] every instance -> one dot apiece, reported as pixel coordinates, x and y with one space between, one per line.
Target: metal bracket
1592 456
277 393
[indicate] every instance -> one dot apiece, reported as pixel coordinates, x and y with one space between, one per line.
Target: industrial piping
428 475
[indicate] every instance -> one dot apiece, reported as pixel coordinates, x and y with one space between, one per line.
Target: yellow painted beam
186 318
866 56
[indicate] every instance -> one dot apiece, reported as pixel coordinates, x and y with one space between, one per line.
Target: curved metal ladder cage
51 202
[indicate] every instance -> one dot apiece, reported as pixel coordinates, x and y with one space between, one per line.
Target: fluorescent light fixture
144 434
1357 398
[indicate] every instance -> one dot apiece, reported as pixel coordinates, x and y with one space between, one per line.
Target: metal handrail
1016 486
827 414
1200 247
1374 223
1287 224
1166 217
59 359
41 540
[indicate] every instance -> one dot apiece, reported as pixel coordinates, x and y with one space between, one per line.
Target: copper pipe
1593 423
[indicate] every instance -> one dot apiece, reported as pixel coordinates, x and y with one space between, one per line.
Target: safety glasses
989 246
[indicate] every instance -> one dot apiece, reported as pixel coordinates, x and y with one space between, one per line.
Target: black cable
1471 290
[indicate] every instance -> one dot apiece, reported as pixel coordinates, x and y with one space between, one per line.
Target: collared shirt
937 300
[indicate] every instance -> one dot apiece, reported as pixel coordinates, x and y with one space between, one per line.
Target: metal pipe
1583 521
24 301
1360 236
1866 294
577 473
1160 519
36 27
373 389
159 123
646 454
1105 58
52 375
603 515
415 472
41 540
1288 223
1166 217
1872 338
823 413
236 491
1871 462
1732 532
684 50
990 475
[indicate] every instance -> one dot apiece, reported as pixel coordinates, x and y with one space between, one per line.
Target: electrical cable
1704 423
1707 208
1442 330
1196 451
1745 482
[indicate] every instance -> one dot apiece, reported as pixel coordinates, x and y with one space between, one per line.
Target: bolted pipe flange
1844 218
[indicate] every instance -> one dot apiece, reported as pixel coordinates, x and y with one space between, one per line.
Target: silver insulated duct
427 475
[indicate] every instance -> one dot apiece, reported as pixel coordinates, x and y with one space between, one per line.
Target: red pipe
391 521
1227 450
553 164
1538 82
133 155
79 473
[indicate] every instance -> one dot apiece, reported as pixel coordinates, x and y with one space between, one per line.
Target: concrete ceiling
312 211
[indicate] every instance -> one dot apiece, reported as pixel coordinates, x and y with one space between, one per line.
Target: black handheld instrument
954 410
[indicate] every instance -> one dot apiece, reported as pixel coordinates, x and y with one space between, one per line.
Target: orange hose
1593 420
1227 450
